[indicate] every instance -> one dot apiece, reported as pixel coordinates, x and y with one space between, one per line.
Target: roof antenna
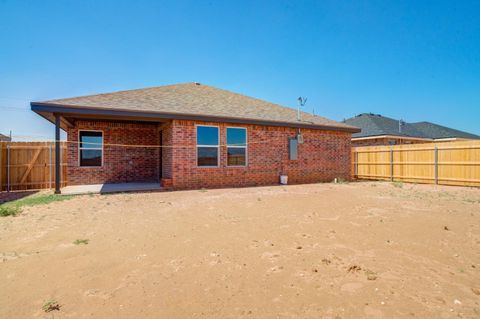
301 103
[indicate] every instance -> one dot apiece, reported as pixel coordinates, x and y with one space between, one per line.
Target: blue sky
415 60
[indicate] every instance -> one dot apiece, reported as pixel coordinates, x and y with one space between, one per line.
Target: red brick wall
323 156
167 152
120 164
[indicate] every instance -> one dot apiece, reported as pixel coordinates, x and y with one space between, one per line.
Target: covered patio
131 156
110 188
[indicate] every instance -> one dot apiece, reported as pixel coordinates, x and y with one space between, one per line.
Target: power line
13 108
12 98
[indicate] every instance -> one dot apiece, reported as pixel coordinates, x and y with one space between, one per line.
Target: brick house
191 135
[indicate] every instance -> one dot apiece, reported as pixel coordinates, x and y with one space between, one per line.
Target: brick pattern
120 164
167 152
324 156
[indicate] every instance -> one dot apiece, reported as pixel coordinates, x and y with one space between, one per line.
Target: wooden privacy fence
29 165
448 163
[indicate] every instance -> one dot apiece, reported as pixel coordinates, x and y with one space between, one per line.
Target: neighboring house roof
378 125
191 101
4 138
436 131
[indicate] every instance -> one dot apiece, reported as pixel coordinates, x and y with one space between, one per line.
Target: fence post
391 163
355 166
58 171
50 166
8 168
436 164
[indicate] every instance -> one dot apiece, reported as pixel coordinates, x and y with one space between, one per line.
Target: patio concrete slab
110 188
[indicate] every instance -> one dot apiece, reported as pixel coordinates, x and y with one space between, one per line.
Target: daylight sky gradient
415 60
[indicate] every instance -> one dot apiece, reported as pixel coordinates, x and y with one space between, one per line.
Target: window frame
89 148
202 145
237 146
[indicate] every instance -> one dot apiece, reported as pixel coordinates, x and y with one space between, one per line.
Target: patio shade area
110 188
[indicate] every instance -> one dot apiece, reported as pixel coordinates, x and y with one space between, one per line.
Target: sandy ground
358 250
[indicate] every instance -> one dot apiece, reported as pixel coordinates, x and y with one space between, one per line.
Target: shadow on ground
11 196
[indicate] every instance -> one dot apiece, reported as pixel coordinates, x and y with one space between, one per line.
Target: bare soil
358 250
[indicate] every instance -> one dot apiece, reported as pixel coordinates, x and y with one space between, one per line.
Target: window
236 146
91 148
207 146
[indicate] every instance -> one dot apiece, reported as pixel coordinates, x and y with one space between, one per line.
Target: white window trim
89 148
238 146
201 145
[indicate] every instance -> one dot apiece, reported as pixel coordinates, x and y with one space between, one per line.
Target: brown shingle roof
195 99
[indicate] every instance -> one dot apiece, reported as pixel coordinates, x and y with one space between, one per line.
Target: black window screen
91 148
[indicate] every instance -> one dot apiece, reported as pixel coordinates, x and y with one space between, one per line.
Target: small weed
370 275
326 261
6 210
397 184
354 269
51 305
202 190
81 241
341 181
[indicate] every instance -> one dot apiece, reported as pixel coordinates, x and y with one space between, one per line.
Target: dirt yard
359 250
